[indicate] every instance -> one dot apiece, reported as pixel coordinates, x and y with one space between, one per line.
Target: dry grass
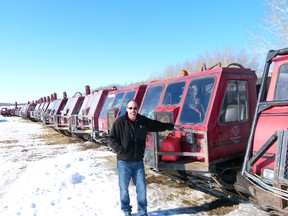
53 137
14 141
50 137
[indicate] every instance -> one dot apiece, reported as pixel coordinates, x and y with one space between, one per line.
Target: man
128 139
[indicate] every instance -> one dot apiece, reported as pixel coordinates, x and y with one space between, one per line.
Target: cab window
197 101
106 106
173 94
235 104
118 100
151 100
281 85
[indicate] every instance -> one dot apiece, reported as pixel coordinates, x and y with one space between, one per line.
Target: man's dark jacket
128 139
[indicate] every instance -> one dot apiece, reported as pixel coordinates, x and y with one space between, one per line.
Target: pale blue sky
51 46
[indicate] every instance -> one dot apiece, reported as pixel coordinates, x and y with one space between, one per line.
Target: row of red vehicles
8 111
222 126
5 111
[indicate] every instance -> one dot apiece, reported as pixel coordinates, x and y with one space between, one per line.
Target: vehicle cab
45 112
34 113
83 124
5 111
115 106
55 109
43 109
213 110
264 173
25 112
62 122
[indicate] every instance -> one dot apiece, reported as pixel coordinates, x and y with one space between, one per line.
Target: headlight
190 138
268 174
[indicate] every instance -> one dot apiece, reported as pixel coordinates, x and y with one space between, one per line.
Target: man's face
132 109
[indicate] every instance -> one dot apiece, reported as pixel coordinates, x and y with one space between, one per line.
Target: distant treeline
10 104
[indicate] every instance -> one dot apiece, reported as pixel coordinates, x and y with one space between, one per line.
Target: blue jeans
136 171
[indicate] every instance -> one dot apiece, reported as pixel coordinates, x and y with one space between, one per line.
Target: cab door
231 134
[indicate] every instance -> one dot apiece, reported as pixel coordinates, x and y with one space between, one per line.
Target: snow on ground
67 179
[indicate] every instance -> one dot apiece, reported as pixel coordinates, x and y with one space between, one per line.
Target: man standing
128 140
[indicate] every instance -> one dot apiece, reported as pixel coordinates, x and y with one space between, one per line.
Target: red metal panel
270 120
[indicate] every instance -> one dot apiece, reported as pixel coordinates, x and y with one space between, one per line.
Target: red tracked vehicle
49 105
39 104
41 107
214 109
264 175
62 122
83 124
114 106
15 109
5 111
54 108
26 110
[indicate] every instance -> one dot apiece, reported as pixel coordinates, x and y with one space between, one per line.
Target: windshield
67 106
51 105
106 106
56 105
129 96
151 100
196 102
173 94
94 103
76 105
118 100
38 106
89 104
85 104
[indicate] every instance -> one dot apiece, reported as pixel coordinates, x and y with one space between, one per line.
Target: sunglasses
134 108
